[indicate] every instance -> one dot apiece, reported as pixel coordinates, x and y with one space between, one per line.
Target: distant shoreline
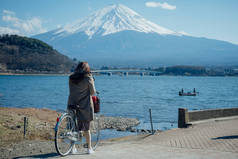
35 74
180 70
67 74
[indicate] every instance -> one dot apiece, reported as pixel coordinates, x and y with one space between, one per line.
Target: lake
126 96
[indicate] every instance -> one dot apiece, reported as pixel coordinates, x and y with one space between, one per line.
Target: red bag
96 103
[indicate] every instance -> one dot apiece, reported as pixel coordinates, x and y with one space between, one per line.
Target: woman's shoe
74 150
90 151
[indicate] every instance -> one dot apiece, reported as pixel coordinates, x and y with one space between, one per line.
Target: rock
118 123
13 127
133 130
18 126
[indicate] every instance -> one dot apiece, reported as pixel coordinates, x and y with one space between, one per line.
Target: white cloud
22 26
10 18
8 12
161 5
5 30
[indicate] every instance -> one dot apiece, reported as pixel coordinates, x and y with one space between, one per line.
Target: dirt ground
39 138
41 123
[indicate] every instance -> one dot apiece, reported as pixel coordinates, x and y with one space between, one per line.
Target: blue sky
216 19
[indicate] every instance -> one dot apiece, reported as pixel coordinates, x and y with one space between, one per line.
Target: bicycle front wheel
63 133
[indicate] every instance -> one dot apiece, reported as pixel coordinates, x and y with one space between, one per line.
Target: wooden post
25 125
151 122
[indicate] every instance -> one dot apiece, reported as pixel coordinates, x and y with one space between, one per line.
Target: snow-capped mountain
112 19
117 35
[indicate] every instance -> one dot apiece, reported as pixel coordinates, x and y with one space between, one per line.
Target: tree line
25 54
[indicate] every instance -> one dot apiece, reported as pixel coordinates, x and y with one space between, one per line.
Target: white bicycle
66 135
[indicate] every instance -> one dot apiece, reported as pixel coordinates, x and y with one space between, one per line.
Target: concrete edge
212 120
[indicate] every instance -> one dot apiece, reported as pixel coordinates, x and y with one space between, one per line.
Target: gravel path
42 149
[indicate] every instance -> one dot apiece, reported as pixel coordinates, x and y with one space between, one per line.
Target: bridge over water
126 72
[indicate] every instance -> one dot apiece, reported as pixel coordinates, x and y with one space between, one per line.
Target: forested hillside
27 55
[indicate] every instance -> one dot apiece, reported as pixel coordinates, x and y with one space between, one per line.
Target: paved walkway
218 135
216 139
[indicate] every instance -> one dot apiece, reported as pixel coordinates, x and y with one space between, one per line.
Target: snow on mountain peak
112 19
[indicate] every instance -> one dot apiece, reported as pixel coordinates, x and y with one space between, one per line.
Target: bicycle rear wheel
95 131
63 135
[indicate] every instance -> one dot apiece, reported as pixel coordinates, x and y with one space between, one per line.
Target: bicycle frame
58 121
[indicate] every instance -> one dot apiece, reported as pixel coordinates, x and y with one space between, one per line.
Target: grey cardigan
81 95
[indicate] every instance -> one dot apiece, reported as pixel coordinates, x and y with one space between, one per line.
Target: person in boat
194 90
181 92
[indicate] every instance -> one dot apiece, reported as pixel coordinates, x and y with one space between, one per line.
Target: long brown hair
80 71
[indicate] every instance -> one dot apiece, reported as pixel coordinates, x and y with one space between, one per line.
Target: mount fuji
118 36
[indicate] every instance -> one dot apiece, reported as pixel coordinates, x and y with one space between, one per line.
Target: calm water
126 96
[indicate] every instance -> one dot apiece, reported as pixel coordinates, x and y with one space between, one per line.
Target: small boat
182 93
187 94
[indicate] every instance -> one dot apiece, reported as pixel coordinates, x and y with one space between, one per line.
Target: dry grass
41 123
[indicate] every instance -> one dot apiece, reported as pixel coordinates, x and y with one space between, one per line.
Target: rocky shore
119 123
40 130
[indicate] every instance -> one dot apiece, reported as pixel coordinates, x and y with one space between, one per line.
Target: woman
81 88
